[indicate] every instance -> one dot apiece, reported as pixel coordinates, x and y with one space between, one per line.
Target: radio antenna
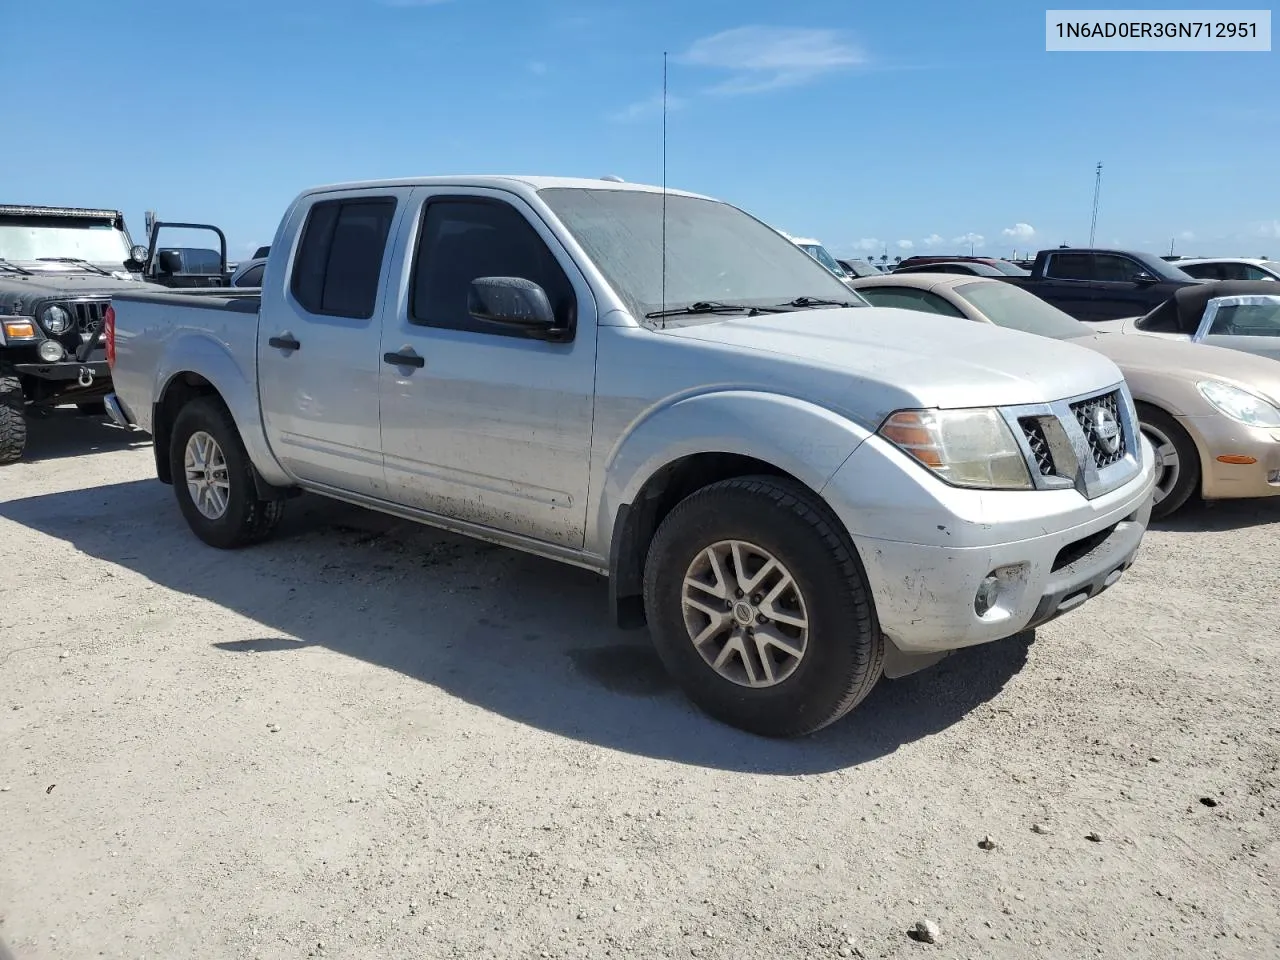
664 186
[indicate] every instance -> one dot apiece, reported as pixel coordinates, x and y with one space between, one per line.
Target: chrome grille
1033 430
1094 415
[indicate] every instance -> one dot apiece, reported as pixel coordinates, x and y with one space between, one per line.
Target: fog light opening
1273 476
988 594
50 351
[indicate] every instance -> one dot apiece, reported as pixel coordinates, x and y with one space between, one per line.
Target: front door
1116 292
318 339
478 422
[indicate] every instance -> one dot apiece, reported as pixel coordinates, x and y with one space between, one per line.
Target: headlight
1240 405
55 319
966 448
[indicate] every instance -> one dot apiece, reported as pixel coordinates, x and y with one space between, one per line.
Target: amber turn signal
19 330
1233 458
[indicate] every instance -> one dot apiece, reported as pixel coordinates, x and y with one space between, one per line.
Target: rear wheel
13 420
1177 460
213 479
759 607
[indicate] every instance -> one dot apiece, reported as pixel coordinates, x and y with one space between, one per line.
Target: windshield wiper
710 306
815 302
77 261
10 265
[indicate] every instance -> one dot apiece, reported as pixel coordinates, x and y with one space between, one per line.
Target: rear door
482 424
1249 323
1068 284
318 339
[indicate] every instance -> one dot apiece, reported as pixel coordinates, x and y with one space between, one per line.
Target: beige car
1213 415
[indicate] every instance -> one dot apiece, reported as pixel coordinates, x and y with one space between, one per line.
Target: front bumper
65 370
1217 436
927 548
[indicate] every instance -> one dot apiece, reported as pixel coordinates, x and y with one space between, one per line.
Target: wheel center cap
744 613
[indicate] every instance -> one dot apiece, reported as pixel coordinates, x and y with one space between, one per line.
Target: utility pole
1097 190
1171 246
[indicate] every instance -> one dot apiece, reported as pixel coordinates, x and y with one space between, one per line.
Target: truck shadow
1221 516
525 638
66 432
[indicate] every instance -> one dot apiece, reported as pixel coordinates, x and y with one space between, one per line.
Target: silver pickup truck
797 493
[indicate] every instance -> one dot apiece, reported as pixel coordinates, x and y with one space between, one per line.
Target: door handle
404 359
285 341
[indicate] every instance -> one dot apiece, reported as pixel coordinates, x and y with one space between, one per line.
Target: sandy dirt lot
367 739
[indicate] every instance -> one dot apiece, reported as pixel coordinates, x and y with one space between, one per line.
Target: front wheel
13 420
1177 460
213 479
759 607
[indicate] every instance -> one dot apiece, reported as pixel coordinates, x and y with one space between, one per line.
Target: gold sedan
1212 415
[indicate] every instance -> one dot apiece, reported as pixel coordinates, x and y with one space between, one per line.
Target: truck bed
152 329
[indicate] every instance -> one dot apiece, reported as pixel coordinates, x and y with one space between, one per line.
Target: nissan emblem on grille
1099 418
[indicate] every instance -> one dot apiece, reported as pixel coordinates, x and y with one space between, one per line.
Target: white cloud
651 106
1186 235
933 240
869 244
1021 232
765 58
905 245
1270 230
970 239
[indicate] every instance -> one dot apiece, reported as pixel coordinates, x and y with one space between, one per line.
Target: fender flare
799 438
210 360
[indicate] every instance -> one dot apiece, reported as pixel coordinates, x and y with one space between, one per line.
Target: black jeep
59 267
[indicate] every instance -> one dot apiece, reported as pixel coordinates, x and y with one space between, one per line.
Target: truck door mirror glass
169 261
513 301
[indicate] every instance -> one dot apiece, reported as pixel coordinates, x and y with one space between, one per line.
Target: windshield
860 268
1013 307
819 253
1010 269
715 252
31 238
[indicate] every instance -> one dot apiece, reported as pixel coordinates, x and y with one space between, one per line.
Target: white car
1237 314
1230 268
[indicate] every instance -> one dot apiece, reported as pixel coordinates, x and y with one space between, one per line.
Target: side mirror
137 261
512 301
1144 278
169 261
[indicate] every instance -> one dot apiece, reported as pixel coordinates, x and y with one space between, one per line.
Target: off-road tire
247 520
1187 481
13 418
845 653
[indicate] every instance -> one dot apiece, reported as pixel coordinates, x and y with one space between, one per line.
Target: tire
13 418
244 519
842 648
1178 476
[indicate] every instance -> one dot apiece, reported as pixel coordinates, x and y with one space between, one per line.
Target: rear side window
464 239
339 260
1070 266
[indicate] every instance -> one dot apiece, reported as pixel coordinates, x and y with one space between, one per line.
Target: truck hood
18 293
886 359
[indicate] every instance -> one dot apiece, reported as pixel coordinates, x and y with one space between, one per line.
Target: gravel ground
368 739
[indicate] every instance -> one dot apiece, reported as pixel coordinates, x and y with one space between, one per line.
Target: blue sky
906 127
